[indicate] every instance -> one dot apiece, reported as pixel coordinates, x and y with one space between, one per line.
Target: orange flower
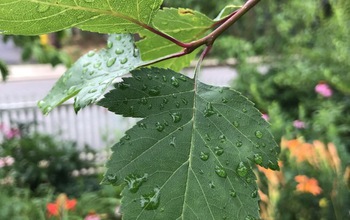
307 185
62 203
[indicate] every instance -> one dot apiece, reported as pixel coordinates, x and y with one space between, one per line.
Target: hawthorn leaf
33 17
191 155
92 74
184 25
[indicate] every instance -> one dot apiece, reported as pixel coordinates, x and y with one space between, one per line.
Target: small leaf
91 75
226 11
33 17
184 25
4 70
195 144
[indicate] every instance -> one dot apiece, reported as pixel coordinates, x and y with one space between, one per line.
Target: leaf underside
190 156
93 73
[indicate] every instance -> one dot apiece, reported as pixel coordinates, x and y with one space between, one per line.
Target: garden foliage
191 156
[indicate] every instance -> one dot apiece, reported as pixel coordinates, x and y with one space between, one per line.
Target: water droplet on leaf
142 125
151 200
159 127
259 134
239 143
91 53
254 194
124 60
172 142
42 8
204 156
220 171
111 178
211 185
174 82
109 44
209 110
111 61
135 181
154 92
258 159
222 138
218 150
176 117
233 193
119 51
242 170
235 123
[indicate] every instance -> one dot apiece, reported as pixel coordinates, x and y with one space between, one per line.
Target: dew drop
135 181
174 95
71 90
144 101
91 53
254 194
233 193
207 137
242 170
212 185
149 107
124 60
111 61
224 100
159 127
161 106
109 44
177 104
235 123
183 78
259 134
204 156
258 159
272 166
92 91
123 85
151 200
154 92
164 78
138 78
244 110
201 172
164 23
176 117
165 100
48 109
220 172
172 142
41 103
119 51
239 144
42 8
184 101
222 138
174 82
149 76
136 52
111 178
118 37
142 125
209 110
218 150
144 87
97 65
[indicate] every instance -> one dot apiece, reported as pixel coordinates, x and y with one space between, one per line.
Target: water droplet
119 51
154 92
239 144
177 104
176 117
149 76
242 170
207 137
248 179
235 123
161 106
136 52
218 150
109 44
151 200
221 90
249 217
144 87
47 109
111 178
159 127
165 100
174 95
42 8
149 107
204 156
233 193
138 78
222 138
258 159
224 100
71 90
212 185
97 65
41 103
92 91
124 60
174 82
123 85
201 172
273 166
183 78
259 134
209 110
91 53
118 37
164 23
172 142
244 110
111 61
220 171
254 194
184 101
142 125
135 181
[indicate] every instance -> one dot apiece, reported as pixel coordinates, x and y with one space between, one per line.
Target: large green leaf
183 24
191 155
42 16
91 75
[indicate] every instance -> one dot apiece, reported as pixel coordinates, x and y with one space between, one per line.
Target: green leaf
184 25
32 17
93 73
4 70
191 155
226 11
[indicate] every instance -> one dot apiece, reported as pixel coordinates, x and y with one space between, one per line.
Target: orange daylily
307 185
62 203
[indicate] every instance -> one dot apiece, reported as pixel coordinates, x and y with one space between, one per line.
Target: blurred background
290 57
